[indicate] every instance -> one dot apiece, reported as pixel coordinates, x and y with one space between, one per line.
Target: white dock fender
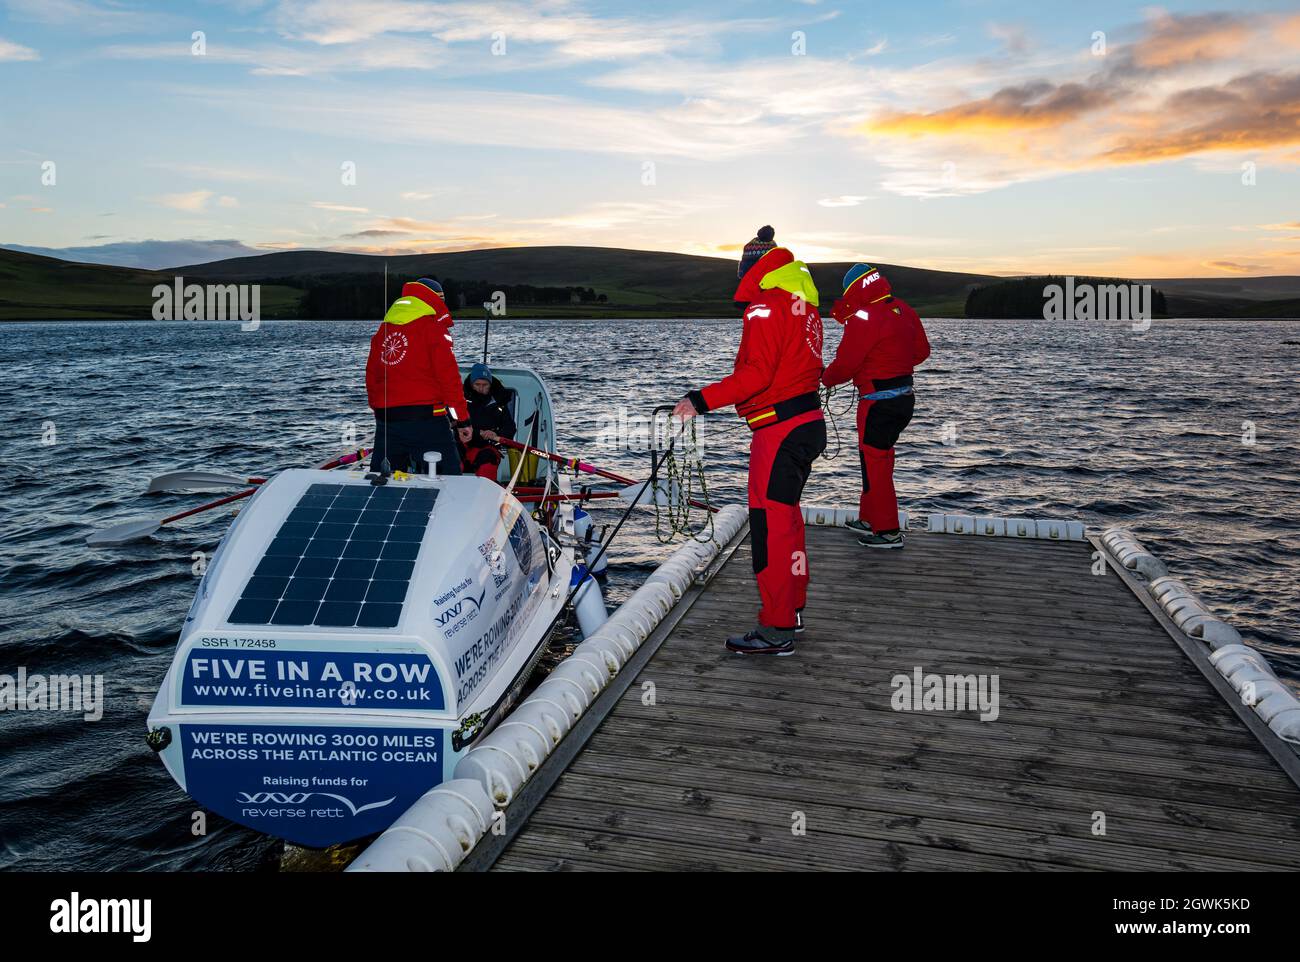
1131 553
564 694
1022 528
991 527
432 835
1286 725
500 773
1272 698
597 655
590 673
958 524
550 720
523 742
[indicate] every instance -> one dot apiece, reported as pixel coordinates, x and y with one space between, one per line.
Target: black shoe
753 643
887 539
798 621
858 525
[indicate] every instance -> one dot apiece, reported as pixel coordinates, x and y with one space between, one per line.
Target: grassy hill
633 283
33 287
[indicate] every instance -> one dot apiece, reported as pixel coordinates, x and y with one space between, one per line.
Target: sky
1002 137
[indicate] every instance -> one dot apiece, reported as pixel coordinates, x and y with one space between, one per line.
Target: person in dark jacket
774 389
489 404
413 383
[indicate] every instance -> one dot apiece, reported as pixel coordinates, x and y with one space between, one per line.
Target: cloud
85 15
1232 267
10 51
192 202
1174 41
1257 111
1183 87
503 119
844 200
341 208
1032 105
227 201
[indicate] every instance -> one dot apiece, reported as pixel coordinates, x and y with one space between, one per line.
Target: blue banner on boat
367 681
315 786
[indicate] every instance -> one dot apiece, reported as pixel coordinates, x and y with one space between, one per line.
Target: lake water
1189 433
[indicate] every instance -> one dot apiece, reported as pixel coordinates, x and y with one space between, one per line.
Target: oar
143 528
134 530
535 498
592 469
183 482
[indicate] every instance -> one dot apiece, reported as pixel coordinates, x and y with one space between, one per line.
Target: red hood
773 259
437 306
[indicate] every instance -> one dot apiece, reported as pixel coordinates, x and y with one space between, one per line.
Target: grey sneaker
858 525
886 539
754 643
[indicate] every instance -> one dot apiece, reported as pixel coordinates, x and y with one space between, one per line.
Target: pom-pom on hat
763 241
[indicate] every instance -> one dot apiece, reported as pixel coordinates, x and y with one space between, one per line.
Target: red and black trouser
781 454
879 425
482 460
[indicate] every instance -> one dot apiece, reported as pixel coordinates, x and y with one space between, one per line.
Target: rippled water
1044 419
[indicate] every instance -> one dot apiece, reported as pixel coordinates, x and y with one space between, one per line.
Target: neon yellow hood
794 277
407 309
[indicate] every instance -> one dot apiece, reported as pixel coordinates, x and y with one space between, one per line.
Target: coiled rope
681 475
828 395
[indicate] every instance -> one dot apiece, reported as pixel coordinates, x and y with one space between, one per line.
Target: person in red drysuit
883 341
477 454
413 383
774 388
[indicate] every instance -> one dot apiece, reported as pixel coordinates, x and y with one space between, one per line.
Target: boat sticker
521 540
373 681
311 785
496 561
459 615
478 660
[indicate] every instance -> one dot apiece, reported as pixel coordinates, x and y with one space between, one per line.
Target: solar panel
342 559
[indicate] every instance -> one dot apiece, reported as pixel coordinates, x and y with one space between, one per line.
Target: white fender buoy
1286 725
991 527
500 774
432 835
588 602
565 694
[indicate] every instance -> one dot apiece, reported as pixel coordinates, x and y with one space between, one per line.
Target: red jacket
780 355
411 357
881 340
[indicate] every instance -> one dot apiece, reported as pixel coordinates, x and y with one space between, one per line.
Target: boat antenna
487 326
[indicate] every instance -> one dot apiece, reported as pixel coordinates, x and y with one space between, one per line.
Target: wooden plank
846 822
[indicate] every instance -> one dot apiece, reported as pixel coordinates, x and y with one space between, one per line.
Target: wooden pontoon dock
1107 717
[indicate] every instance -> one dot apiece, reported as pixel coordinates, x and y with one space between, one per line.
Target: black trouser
404 442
